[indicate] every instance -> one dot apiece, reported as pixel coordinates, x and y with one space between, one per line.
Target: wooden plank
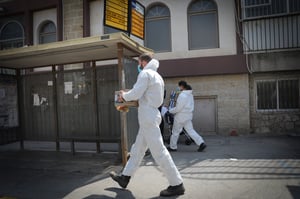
124 142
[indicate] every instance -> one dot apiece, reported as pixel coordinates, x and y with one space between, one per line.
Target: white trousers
149 136
177 129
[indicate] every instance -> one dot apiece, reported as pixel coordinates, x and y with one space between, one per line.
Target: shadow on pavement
121 194
294 190
240 158
34 174
234 160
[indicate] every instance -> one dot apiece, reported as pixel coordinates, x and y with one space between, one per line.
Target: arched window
158 28
11 36
47 33
203 25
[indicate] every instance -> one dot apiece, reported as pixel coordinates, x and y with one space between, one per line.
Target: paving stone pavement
231 167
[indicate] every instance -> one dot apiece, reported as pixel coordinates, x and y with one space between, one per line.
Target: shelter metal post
121 74
95 104
56 129
19 90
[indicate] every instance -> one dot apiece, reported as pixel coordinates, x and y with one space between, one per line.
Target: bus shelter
69 105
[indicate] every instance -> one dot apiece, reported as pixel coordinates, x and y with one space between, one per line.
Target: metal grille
7 71
288 91
266 95
37 107
75 103
261 8
272 33
8 109
109 117
278 94
130 69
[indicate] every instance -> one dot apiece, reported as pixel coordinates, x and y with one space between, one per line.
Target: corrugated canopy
94 48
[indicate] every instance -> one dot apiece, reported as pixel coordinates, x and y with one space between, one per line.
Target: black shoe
202 147
170 149
173 191
128 156
120 179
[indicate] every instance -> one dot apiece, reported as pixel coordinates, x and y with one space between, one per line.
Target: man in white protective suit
183 118
149 91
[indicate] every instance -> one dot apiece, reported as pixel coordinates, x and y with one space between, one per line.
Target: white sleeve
138 89
179 105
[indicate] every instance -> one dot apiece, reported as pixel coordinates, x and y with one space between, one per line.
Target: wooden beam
121 74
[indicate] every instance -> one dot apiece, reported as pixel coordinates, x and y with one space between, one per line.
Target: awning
96 48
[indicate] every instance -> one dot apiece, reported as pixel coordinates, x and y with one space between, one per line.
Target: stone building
236 54
271 37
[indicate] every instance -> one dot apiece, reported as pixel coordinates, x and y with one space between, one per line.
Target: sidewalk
231 167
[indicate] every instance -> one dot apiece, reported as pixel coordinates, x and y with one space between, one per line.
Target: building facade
271 37
201 47
235 55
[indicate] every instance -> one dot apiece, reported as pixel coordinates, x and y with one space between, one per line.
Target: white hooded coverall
149 91
183 118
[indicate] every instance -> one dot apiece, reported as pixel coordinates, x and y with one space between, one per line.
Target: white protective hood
152 65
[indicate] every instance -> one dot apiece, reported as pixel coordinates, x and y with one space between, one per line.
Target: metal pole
121 74
20 111
55 108
95 101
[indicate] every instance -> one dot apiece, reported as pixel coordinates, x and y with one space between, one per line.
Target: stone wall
275 61
275 122
232 94
73 24
73 19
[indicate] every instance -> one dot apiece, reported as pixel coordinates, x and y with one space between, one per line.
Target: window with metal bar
47 33
266 95
278 94
11 36
262 8
288 93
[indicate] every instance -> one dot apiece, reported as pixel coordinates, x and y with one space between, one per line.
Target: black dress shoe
202 147
120 179
170 149
173 191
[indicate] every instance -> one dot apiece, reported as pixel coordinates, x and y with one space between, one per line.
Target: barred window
278 94
266 95
294 6
47 33
288 93
260 8
11 36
